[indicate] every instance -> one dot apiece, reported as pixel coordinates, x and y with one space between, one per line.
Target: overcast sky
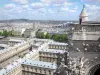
47 9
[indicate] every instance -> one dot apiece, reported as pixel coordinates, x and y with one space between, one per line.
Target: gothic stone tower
83 15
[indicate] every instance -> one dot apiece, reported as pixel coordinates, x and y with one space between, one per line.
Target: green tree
64 37
40 35
5 33
55 37
47 36
0 33
10 33
60 37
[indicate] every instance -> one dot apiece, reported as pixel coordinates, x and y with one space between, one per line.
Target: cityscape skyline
49 37
47 9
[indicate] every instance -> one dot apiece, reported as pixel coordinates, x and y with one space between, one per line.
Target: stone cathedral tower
83 15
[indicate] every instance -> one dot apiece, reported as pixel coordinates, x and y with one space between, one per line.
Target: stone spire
83 15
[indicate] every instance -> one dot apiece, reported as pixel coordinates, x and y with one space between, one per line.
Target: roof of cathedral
83 12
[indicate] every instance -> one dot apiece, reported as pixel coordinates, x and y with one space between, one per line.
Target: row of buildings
41 60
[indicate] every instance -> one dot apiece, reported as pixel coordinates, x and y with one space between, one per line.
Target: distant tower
83 15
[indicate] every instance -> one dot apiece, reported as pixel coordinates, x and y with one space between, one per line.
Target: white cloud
73 10
92 7
57 5
54 1
25 6
65 4
66 9
38 5
45 1
21 1
9 6
92 1
42 11
47 8
51 11
68 3
93 10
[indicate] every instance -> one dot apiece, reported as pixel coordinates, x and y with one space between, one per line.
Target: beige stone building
29 67
58 45
49 55
40 61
